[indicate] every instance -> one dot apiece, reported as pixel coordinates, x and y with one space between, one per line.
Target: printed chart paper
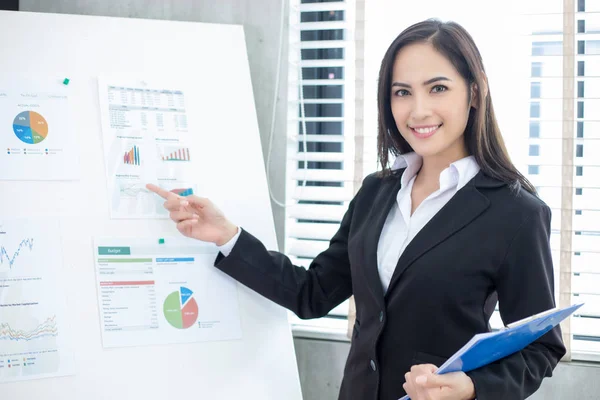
37 141
146 140
161 293
33 331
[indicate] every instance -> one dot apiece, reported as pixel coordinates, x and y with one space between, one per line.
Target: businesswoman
429 244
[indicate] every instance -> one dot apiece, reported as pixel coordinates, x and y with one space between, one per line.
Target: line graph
132 189
33 304
45 329
5 255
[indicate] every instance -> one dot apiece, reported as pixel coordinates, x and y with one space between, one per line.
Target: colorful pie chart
180 309
30 127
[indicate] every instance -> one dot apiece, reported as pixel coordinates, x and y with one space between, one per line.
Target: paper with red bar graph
146 140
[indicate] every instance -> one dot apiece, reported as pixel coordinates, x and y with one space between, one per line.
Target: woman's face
429 102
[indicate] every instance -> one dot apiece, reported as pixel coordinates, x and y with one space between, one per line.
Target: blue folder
485 348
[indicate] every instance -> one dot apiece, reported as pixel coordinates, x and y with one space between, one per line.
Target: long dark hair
482 135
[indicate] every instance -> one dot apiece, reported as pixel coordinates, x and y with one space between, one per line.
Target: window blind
320 155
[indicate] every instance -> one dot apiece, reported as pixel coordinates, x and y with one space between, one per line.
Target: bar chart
176 154
132 157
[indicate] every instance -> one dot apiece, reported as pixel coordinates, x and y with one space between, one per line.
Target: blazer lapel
386 198
466 205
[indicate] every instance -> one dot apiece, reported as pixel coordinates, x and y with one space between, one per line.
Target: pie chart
180 309
30 127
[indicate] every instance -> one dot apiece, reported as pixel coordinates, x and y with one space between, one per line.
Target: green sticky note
66 81
161 241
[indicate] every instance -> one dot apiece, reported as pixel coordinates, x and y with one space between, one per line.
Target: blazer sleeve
309 293
525 286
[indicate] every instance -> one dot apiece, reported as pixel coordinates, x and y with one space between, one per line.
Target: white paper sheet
160 293
37 141
34 341
146 140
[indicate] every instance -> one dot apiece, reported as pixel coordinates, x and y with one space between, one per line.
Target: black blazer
490 241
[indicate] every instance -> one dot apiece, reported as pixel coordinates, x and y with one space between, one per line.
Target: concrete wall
261 21
321 364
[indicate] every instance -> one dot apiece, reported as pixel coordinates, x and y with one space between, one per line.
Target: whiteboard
210 61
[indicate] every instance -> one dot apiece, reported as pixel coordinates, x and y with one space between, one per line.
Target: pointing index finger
160 191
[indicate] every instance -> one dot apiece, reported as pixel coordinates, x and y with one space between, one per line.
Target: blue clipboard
485 348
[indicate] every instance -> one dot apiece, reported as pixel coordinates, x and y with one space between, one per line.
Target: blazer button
381 316
373 366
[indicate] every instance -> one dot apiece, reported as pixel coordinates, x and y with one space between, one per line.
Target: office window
585 336
546 49
322 54
588 47
579 129
533 170
592 47
534 129
534 110
534 150
536 90
320 16
321 159
536 69
9 5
